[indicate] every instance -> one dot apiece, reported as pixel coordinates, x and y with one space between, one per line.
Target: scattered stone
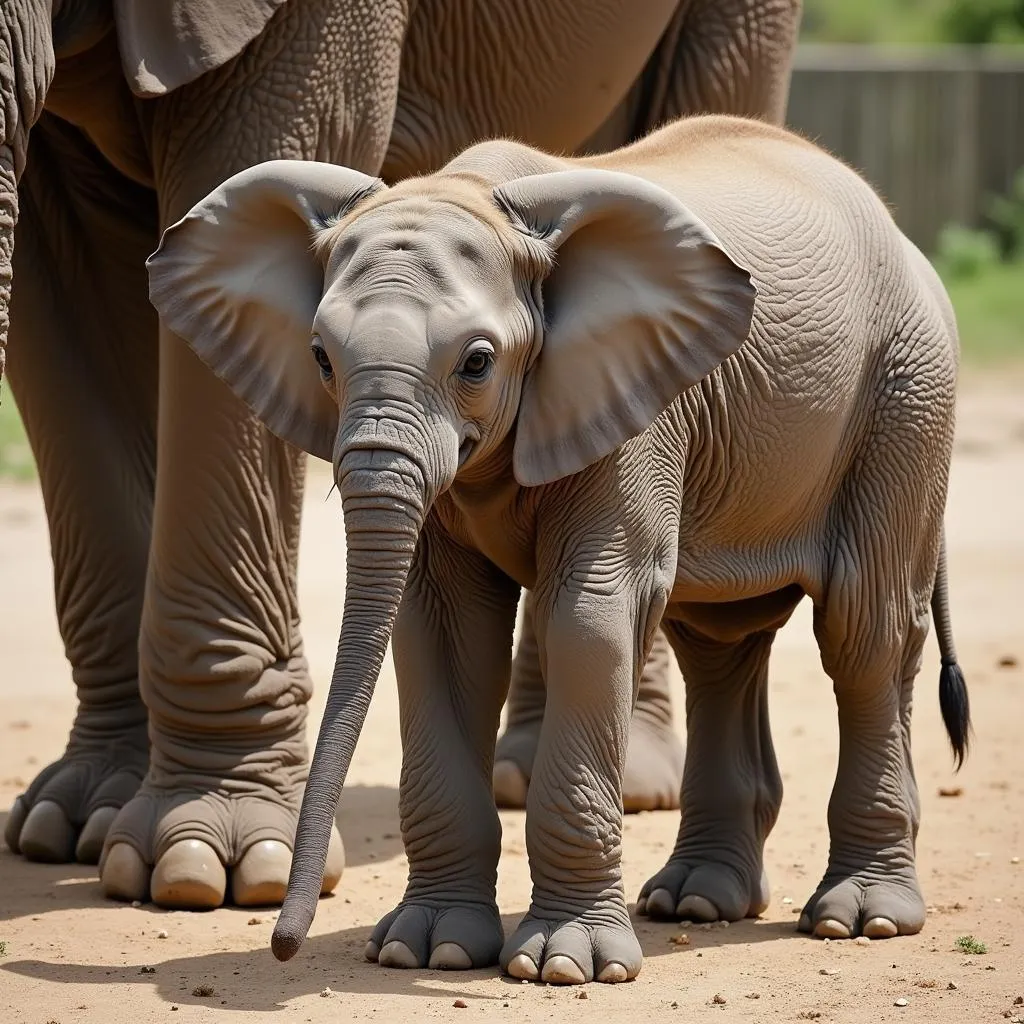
136 903
582 994
674 1005
161 934
1018 1001
862 940
926 983
1007 661
1015 860
951 790
203 991
786 900
460 1004
147 970
723 924
952 986
753 995
682 939
173 1007
808 1014
901 1002
327 993
829 971
718 1000
255 920
795 910
826 940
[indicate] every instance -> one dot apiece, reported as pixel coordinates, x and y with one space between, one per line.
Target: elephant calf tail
954 701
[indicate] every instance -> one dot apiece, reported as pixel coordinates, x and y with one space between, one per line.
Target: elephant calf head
413 334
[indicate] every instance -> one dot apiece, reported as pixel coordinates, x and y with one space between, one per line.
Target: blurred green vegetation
15 455
914 21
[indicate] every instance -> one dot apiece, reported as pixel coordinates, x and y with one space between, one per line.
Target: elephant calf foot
651 781
66 812
597 945
846 905
692 888
454 936
197 850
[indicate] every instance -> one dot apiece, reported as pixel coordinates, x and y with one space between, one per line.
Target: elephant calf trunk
384 505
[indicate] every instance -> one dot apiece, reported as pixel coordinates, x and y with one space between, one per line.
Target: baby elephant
689 382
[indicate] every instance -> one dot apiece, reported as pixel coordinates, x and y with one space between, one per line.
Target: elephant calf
688 382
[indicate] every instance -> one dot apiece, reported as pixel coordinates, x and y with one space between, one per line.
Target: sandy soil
70 956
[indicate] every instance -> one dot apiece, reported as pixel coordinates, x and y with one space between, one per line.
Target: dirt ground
69 956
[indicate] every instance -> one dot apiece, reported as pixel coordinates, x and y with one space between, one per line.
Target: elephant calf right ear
236 278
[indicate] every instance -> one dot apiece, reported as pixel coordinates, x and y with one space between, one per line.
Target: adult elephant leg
654 759
732 790
83 368
715 57
222 667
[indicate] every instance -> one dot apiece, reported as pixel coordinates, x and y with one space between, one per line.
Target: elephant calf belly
728 621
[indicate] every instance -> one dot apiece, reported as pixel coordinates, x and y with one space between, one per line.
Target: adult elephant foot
654 757
704 890
66 812
195 850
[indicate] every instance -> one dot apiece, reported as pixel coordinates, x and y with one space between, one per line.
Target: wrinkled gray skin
691 382
175 575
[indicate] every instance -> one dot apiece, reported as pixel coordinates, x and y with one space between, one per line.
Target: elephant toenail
450 956
880 928
562 970
397 954
522 967
830 928
613 974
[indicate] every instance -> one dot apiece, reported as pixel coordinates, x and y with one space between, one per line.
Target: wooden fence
935 130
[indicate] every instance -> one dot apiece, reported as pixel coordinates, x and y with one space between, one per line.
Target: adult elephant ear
238 279
165 44
642 303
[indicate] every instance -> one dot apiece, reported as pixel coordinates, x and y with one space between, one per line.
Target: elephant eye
326 370
477 364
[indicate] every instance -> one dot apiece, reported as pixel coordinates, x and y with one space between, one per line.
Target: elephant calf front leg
452 648
578 928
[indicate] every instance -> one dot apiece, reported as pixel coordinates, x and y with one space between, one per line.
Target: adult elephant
174 516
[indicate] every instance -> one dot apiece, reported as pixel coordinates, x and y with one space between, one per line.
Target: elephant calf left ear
237 279
642 304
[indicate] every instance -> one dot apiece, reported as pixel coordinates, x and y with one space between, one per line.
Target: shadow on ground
253 980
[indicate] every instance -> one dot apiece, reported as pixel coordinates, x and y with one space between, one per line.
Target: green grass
990 313
15 455
969 944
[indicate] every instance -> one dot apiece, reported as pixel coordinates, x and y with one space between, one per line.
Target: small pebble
161 934
826 941
147 970
582 994
787 900
829 971
718 1000
901 1002
952 986
682 939
753 995
1015 860
136 903
173 1007
254 920
460 1004
326 992
862 940
1018 1001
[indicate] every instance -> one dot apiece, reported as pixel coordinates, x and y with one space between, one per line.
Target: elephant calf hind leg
654 758
732 790
870 886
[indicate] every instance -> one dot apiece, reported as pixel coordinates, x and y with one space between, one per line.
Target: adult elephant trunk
385 497
26 70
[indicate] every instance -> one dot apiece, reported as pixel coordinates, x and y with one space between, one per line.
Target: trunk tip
287 938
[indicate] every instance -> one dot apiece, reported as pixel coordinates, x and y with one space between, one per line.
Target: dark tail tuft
956 708
953 700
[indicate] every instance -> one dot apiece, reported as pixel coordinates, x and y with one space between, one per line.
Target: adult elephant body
174 515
